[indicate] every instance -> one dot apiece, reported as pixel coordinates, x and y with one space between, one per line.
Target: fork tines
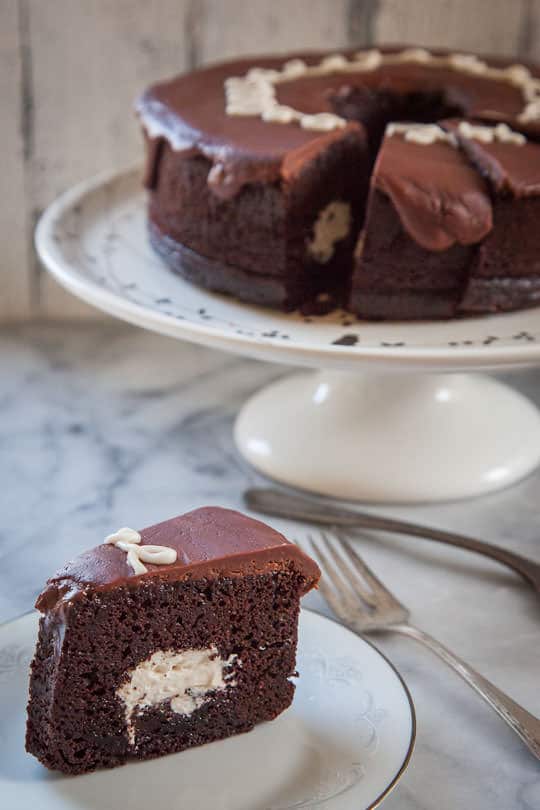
350 587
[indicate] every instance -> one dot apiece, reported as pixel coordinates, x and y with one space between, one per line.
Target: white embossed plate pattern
342 745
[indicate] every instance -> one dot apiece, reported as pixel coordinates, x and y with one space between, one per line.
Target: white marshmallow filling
331 226
186 680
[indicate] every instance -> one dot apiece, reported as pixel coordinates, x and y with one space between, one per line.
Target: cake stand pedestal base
390 437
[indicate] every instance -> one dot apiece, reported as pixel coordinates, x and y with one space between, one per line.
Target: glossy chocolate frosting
512 169
189 111
209 542
440 198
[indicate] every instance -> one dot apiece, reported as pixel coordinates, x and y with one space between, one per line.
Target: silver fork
365 605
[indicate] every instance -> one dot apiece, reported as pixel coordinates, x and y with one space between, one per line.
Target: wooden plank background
69 70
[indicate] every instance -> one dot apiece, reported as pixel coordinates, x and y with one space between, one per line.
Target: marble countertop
104 425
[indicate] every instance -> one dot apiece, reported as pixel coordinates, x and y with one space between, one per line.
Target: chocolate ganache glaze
209 542
441 200
269 176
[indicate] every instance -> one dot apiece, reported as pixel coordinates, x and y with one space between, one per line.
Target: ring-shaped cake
400 183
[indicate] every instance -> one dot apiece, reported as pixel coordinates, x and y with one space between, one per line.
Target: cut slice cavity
183 680
331 226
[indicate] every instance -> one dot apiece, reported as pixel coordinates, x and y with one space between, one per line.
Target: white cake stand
384 418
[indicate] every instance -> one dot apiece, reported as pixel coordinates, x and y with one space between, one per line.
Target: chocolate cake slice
428 209
506 272
158 641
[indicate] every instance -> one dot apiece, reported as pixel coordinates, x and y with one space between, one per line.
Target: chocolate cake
259 170
157 641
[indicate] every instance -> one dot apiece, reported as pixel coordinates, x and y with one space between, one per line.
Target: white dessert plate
93 239
343 744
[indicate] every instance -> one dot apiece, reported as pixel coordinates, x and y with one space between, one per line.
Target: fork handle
298 507
525 724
